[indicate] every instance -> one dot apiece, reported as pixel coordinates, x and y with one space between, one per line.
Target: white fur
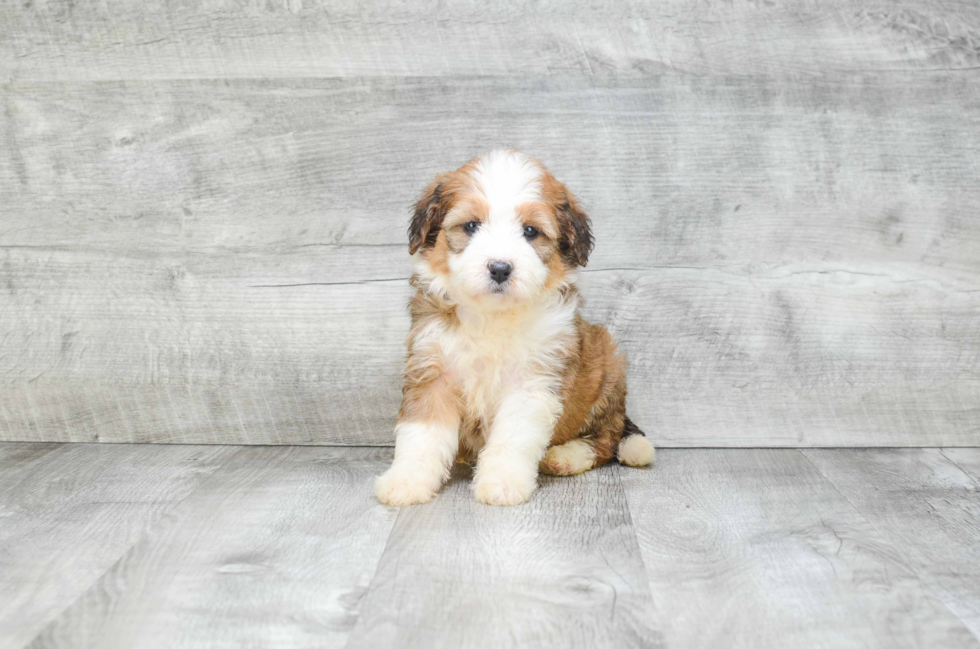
424 454
570 458
505 364
507 369
635 450
507 470
506 179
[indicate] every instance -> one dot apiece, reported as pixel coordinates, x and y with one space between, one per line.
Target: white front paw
395 487
501 490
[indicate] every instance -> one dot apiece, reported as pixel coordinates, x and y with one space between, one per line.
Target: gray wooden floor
226 546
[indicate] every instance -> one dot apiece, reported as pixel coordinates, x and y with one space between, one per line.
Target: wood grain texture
966 459
929 501
73 512
16 457
63 40
560 571
754 548
276 549
786 262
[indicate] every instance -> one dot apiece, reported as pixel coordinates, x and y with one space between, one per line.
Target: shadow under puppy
502 369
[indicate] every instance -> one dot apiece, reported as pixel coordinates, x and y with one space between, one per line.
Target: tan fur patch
434 402
541 216
428 393
438 255
424 306
557 272
469 207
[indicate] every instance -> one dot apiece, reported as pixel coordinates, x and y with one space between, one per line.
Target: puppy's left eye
530 232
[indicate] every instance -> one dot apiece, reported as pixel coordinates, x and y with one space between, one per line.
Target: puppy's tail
634 448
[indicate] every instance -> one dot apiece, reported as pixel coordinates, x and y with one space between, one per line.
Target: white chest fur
491 355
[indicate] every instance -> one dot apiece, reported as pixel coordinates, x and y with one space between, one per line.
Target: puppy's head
499 231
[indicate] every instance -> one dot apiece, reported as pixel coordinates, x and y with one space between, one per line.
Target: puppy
502 370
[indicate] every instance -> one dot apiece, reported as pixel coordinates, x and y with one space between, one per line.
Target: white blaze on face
506 180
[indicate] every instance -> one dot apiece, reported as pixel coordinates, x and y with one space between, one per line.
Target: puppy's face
499 231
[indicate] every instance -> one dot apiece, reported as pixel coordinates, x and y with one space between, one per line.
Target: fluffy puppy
502 370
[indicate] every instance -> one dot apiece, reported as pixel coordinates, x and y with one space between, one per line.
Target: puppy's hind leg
571 458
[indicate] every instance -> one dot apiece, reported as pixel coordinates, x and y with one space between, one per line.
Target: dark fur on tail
634 448
629 428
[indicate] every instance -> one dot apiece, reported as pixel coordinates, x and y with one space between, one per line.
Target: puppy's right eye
471 227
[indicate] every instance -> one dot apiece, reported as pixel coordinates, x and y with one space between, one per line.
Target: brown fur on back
593 393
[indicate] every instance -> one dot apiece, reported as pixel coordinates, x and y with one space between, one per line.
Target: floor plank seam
632 523
842 495
377 565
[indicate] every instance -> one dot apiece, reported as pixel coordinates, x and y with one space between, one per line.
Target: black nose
500 271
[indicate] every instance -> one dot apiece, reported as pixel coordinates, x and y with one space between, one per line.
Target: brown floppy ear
575 231
430 210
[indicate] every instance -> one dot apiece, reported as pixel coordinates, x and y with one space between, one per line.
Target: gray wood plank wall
203 210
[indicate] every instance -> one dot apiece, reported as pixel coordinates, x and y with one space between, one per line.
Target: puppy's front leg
426 440
507 469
